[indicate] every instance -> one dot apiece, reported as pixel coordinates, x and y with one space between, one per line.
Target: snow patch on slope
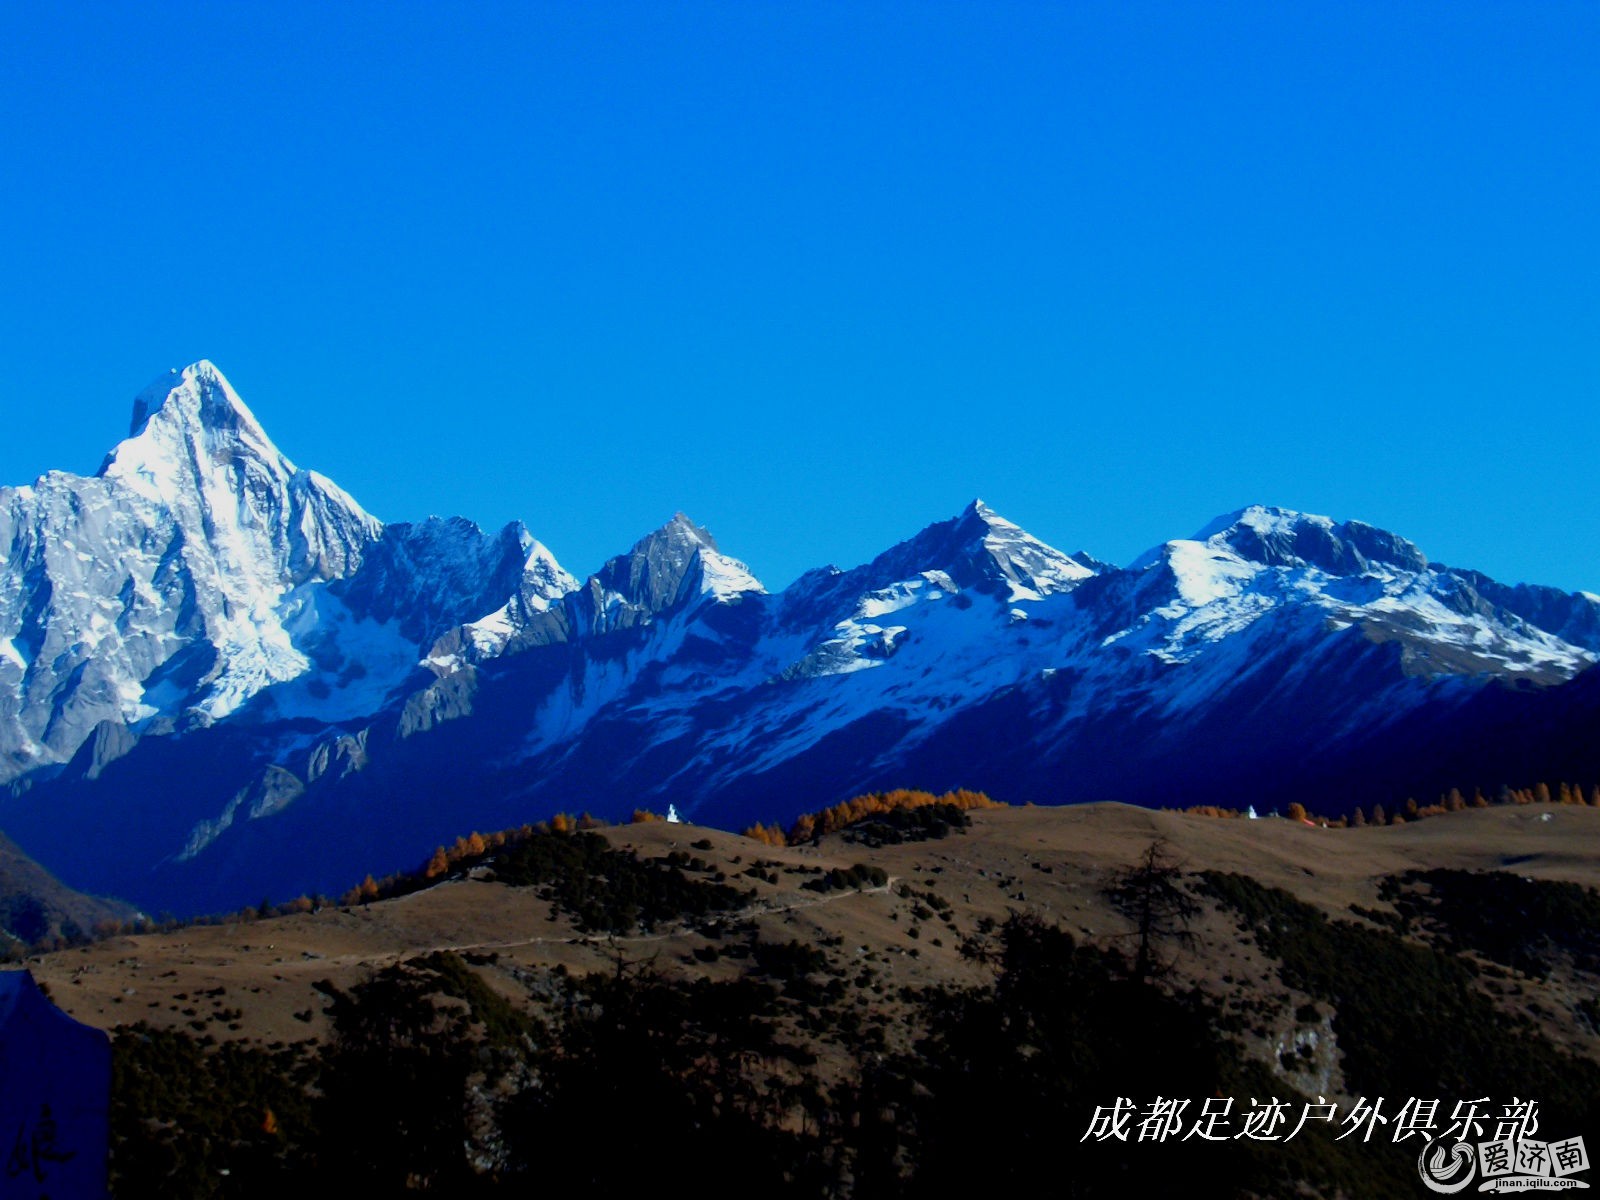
724 579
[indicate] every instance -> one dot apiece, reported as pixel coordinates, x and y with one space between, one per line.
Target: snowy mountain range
221 678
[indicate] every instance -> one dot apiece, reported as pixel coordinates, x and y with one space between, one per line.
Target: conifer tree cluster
810 826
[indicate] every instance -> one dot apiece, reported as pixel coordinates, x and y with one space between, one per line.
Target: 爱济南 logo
1509 1165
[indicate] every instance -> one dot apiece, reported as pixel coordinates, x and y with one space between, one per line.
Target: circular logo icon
1447 1172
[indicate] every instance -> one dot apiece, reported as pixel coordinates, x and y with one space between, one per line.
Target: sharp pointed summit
170 584
198 393
980 548
660 571
192 422
1031 568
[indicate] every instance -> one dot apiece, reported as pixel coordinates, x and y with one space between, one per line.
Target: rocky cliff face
169 584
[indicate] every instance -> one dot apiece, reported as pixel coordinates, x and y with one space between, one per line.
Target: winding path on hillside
397 956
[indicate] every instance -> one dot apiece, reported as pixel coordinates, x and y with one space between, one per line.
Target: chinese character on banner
1520 1120
55 1076
1569 1156
1467 1120
1261 1123
1108 1123
1533 1158
1365 1113
1494 1158
1213 1112
1416 1117
1320 1111
1162 1120
36 1152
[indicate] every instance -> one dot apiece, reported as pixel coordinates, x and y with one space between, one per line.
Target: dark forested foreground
795 1069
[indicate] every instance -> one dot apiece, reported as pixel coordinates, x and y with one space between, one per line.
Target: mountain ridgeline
221 678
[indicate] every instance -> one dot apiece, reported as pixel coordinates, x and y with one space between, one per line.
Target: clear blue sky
818 274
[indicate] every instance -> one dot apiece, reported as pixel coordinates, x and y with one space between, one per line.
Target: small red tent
55 1094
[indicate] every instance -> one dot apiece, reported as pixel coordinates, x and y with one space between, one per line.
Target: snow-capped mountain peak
1031 568
660 570
172 582
1263 561
197 452
1285 538
980 548
185 422
544 580
239 680
977 549
198 393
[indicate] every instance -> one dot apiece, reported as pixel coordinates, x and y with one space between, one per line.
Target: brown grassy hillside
882 928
